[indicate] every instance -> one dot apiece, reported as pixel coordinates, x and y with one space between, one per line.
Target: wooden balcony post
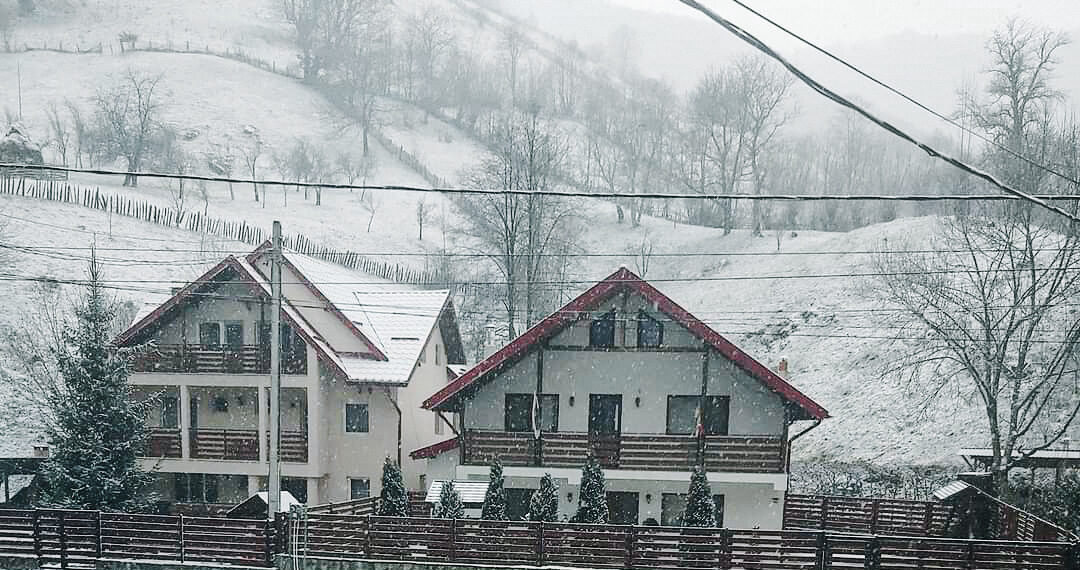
820 554
629 547
875 507
97 534
872 554
264 424
62 535
540 554
180 535
824 512
453 539
37 533
185 422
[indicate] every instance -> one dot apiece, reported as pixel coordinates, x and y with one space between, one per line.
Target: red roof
435 449
621 280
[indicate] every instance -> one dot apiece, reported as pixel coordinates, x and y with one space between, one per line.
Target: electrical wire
1041 199
907 97
889 127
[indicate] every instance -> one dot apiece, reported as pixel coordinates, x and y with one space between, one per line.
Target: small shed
472 495
254 507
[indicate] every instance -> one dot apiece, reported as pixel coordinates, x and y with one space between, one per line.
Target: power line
1040 199
907 97
841 100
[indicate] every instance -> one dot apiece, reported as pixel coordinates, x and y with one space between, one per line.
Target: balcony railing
648 452
233 444
162 442
245 359
242 445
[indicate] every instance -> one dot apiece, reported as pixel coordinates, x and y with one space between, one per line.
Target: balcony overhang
778 481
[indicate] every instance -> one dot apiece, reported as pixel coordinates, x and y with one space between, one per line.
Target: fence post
180 535
725 548
1072 556
541 554
268 540
367 538
872 554
928 518
629 534
97 529
60 531
824 511
875 506
819 552
970 555
37 534
281 533
453 539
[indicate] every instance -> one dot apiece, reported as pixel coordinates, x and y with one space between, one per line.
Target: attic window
650 332
602 330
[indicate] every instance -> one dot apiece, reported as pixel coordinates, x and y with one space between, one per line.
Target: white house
358 358
625 374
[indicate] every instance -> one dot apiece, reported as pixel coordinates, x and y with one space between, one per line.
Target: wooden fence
469 541
908 518
78 538
241 231
370 506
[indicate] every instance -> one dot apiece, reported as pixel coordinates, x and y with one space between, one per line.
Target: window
519 411
438 424
602 330
517 503
437 348
210 334
682 414
673 506
234 334
196 488
296 486
650 332
359 488
356 418
170 412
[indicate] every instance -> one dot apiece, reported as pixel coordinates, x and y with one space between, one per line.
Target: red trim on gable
206 278
378 354
435 449
625 279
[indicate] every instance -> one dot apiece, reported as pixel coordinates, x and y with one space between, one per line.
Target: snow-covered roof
17 483
470 491
951 490
395 320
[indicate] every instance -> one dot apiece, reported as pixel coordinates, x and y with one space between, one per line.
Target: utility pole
273 496
18 72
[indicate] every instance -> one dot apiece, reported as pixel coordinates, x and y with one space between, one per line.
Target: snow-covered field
815 323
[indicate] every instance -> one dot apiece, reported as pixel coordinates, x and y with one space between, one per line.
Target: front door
622 507
605 427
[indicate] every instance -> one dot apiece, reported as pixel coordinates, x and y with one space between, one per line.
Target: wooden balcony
230 444
196 359
162 442
647 452
243 445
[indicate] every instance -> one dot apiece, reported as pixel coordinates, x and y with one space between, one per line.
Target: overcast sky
841 21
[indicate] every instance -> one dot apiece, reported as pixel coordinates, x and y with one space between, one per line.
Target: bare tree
422 214
998 324
522 235
128 117
82 131
252 153
61 136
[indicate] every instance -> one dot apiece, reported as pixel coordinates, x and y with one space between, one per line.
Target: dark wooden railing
235 444
730 453
195 359
231 444
907 518
162 442
69 538
370 506
512 544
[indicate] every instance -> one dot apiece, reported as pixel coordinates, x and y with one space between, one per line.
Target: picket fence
94 198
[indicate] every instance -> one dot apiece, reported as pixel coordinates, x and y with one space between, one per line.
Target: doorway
605 428
622 507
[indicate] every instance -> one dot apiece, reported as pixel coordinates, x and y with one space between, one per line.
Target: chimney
41 451
782 367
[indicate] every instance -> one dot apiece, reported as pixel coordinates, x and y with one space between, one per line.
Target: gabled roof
396 321
621 280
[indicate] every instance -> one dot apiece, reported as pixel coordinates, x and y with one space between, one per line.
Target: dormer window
650 332
602 330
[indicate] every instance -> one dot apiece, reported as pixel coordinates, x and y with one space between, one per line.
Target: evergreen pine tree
495 499
592 497
700 507
394 500
544 504
450 505
95 426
